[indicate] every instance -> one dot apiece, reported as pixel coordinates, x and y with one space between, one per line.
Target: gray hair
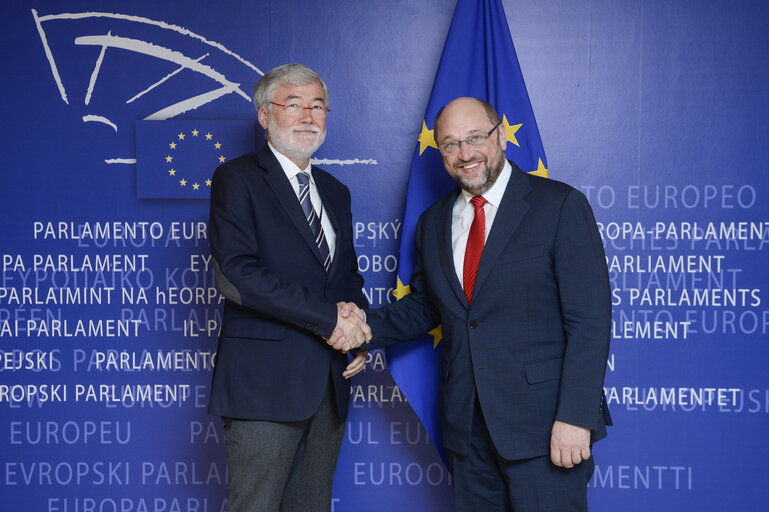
294 74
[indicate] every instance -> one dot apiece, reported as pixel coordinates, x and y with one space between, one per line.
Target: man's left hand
569 444
356 366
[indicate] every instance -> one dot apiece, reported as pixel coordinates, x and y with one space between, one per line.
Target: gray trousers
286 467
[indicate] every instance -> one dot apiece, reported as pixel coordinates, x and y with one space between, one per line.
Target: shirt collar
493 195
289 167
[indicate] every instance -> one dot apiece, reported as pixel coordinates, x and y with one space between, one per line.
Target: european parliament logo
114 68
176 159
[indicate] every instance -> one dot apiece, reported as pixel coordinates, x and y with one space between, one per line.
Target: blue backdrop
108 318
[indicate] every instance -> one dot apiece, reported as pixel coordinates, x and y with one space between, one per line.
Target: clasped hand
351 330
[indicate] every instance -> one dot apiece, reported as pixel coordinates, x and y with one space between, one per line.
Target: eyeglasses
295 110
452 147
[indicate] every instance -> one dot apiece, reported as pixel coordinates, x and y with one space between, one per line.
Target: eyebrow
473 132
297 97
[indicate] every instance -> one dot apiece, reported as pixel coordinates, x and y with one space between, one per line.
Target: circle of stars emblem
181 137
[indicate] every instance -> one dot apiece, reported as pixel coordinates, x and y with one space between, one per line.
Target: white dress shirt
464 212
291 170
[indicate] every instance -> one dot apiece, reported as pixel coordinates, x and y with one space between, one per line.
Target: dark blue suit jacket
534 342
272 363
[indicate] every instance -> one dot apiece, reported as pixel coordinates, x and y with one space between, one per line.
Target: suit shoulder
447 200
549 185
433 215
239 165
238 171
555 190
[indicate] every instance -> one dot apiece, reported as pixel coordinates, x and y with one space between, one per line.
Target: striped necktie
475 242
312 218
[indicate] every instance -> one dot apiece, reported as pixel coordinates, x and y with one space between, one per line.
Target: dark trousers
484 481
287 467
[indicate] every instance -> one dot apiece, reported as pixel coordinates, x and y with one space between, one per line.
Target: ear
502 136
262 115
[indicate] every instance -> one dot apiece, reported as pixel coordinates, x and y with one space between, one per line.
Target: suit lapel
446 251
276 179
511 211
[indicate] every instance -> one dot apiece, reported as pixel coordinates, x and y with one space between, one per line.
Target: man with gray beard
282 245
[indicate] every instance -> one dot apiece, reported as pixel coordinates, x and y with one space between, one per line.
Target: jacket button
473 324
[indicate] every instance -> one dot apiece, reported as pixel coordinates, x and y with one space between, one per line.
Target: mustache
309 128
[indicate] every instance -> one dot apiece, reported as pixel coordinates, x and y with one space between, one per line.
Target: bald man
512 266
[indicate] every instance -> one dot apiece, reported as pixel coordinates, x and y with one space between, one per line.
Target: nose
306 116
465 151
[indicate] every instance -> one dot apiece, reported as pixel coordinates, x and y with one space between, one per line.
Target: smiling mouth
469 167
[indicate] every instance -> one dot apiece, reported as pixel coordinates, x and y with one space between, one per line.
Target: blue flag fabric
175 159
478 60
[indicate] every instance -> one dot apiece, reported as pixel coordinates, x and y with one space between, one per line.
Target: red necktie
475 241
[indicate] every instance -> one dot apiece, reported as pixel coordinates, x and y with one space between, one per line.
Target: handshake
351 328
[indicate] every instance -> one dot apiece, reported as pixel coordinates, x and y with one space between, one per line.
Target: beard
294 145
491 172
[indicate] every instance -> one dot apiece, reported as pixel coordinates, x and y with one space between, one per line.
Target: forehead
306 92
462 118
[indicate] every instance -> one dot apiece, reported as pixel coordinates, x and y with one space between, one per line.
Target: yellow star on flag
218 145
181 136
437 335
195 186
172 172
221 158
541 170
183 182
173 145
208 136
426 138
195 133
208 183
169 159
401 291
510 130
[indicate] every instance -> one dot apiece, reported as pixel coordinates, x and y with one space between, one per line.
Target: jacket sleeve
240 276
585 300
411 316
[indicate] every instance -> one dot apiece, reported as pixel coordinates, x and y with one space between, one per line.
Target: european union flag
176 159
478 60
